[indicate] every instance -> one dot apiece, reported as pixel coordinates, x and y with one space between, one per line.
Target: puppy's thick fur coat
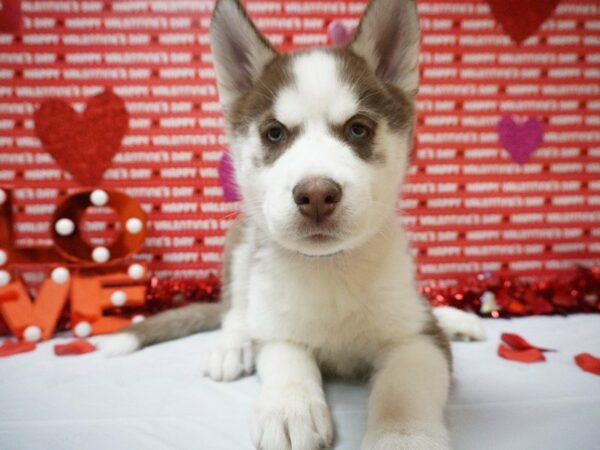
317 274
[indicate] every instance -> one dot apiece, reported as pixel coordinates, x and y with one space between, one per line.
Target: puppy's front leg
232 354
291 413
406 407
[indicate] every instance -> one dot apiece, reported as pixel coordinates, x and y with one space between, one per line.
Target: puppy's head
319 138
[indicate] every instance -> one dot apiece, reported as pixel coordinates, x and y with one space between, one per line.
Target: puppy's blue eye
275 134
358 130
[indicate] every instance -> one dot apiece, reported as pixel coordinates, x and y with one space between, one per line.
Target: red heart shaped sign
521 18
83 144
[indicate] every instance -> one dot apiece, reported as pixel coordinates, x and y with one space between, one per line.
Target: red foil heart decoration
521 18
83 144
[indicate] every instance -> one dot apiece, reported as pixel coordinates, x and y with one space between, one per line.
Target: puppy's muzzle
317 198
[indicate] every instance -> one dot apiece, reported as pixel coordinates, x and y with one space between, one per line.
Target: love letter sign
97 281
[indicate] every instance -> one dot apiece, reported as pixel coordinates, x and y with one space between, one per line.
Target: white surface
156 398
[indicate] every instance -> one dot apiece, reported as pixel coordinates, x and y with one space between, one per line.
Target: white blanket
156 398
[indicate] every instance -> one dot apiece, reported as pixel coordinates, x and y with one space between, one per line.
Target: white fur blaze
459 325
120 344
315 94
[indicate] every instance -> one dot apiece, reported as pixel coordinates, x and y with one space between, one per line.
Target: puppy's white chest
344 309
330 312
301 307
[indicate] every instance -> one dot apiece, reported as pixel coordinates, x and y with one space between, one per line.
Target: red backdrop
469 207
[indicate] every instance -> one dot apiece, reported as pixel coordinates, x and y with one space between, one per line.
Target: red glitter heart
521 18
83 144
10 16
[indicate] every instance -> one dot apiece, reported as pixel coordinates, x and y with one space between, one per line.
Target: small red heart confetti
76 347
11 347
588 362
524 356
518 343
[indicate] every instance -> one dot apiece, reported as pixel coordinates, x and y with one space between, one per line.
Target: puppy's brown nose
317 197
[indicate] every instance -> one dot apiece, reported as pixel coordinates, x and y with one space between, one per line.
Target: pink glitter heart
520 140
338 33
227 177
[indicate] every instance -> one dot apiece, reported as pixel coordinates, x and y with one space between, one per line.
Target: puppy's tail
168 325
180 322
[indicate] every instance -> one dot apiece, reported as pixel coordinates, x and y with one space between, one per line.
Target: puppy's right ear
240 51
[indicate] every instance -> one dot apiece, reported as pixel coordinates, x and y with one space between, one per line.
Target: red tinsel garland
168 294
486 295
491 296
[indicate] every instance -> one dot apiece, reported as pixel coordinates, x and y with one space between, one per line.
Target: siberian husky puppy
317 276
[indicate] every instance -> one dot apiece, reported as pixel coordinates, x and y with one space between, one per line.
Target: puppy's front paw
231 357
459 325
402 441
295 417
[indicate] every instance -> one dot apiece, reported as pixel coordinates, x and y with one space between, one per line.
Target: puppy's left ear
239 50
388 39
